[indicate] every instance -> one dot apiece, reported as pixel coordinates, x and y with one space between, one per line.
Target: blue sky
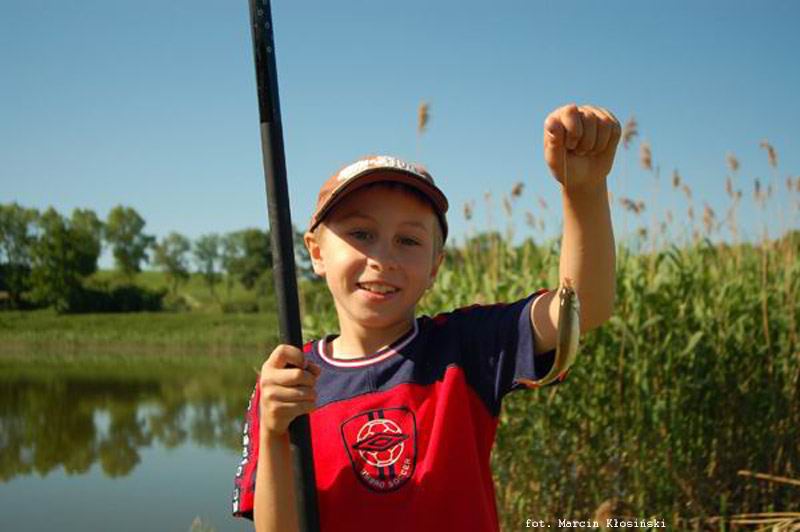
152 104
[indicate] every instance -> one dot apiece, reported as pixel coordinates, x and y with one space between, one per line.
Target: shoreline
25 332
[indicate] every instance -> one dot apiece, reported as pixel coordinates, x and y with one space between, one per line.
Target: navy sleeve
245 479
497 347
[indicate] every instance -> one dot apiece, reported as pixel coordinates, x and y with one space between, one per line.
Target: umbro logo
382 447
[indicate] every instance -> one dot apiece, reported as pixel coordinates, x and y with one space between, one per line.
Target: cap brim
375 175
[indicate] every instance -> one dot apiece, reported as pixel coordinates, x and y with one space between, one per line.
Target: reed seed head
507 206
629 131
468 211
530 219
729 186
423 115
633 206
771 155
542 202
676 179
516 192
646 156
733 162
708 218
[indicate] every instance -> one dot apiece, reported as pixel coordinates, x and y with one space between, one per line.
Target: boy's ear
315 253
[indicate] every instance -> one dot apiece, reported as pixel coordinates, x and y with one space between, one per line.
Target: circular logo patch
382 446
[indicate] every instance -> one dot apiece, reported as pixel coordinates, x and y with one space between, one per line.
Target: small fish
569 331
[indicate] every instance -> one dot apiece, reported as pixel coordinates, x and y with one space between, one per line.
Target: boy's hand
579 145
286 392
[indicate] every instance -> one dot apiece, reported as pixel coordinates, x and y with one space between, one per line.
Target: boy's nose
382 256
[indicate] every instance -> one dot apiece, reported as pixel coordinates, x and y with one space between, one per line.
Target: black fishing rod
280 223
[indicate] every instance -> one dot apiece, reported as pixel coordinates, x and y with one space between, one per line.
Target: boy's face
376 235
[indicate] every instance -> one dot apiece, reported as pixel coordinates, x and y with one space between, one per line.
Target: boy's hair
438 237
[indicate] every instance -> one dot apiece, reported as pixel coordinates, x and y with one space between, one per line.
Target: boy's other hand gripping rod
282 246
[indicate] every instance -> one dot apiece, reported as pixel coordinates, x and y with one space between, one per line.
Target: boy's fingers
603 136
610 115
296 394
605 128
612 126
554 131
292 377
314 369
284 355
589 137
554 143
571 118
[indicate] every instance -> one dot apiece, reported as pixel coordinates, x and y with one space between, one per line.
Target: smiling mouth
378 288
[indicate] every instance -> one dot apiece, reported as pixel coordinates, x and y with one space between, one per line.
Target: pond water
121 442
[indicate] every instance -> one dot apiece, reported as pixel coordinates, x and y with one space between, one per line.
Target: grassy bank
229 319
44 330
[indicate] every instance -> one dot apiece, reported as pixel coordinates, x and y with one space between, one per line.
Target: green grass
206 322
45 330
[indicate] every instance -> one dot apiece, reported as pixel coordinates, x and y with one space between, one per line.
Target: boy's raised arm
579 147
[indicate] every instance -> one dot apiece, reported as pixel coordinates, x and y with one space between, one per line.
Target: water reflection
71 415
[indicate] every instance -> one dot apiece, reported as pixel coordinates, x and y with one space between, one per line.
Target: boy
403 410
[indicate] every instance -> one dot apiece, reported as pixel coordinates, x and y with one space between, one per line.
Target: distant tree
253 258
17 226
171 256
232 249
246 255
207 256
62 255
88 232
129 244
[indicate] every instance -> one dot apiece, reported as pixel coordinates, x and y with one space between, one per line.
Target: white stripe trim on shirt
360 362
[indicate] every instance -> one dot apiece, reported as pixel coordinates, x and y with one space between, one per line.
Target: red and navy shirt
402 438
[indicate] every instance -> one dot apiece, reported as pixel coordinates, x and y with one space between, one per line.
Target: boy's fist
286 392
579 145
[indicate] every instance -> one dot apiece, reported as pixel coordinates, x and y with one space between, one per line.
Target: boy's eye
366 235
360 235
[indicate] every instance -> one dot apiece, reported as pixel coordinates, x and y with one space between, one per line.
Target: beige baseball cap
373 169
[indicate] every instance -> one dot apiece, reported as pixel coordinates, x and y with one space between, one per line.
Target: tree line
46 259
